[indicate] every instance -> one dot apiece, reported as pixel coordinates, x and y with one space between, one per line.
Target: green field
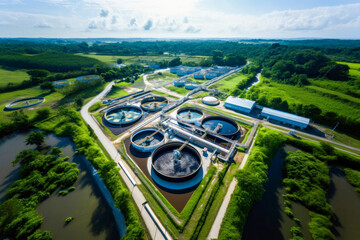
354 69
108 59
117 91
226 85
163 78
307 95
179 90
15 77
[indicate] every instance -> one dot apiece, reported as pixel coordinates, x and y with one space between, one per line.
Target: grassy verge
98 117
227 84
163 94
219 197
179 90
116 91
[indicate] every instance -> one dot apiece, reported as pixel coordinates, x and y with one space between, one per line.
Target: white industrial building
285 118
239 104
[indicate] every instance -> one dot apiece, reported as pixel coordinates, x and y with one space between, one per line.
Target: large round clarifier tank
210 100
176 167
191 85
189 114
153 104
147 139
221 125
123 115
24 103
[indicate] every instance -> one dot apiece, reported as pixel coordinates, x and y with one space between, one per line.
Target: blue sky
180 18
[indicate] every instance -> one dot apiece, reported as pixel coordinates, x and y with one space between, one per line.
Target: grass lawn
165 76
306 95
226 85
7 76
161 78
179 90
163 94
5 98
116 91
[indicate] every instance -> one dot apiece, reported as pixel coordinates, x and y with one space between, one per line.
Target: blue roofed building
239 104
285 118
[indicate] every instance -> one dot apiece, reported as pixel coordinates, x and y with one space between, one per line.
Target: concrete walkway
156 230
215 228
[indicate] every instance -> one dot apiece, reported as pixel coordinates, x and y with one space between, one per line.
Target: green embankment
228 84
12 76
179 90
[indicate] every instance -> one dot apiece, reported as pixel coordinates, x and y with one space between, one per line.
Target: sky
180 18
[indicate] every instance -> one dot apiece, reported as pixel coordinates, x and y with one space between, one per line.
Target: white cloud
310 20
174 18
42 25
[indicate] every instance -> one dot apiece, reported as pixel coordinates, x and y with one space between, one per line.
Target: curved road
156 230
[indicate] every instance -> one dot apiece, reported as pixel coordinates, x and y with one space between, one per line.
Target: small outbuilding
239 104
285 118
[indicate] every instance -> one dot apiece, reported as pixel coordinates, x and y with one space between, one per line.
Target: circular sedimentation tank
123 115
221 125
24 103
176 163
210 100
191 85
153 104
179 83
147 139
189 114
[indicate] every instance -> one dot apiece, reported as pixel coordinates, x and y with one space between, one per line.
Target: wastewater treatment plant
171 147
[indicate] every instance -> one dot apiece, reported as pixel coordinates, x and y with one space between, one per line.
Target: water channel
89 205
267 218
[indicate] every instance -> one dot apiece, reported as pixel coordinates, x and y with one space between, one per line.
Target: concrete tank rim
118 107
224 119
146 129
148 99
189 108
8 106
216 101
175 143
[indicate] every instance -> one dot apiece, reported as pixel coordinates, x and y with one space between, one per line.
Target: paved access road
156 230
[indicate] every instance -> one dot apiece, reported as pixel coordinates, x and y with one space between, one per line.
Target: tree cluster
40 175
293 66
124 73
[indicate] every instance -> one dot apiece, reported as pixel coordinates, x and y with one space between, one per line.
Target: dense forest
249 49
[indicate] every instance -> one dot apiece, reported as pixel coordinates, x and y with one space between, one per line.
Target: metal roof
245 103
286 115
